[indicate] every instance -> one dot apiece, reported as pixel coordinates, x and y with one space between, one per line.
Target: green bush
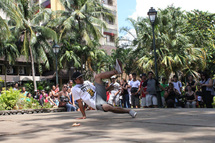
27 103
13 99
9 98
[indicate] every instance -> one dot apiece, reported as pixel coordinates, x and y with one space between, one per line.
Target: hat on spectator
143 74
76 75
114 76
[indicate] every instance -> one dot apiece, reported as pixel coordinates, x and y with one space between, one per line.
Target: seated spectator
28 97
24 91
199 95
54 95
170 96
16 86
190 98
42 98
72 99
64 99
49 99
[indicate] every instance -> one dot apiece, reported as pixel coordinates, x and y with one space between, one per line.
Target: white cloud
143 6
128 38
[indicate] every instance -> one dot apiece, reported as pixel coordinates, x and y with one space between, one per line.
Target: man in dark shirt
151 92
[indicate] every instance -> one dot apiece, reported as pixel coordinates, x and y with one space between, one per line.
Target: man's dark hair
150 72
175 76
134 74
163 79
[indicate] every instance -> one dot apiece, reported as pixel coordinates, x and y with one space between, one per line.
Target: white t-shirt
86 92
116 87
135 84
177 85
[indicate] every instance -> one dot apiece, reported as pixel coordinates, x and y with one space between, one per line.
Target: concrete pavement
151 125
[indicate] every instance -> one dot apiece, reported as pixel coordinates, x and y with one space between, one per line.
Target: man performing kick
95 96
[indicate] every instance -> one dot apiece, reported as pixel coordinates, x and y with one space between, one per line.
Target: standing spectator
177 84
199 95
107 90
170 95
64 99
190 98
207 89
143 91
16 86
129 89
114 90
125 93
24 92
135 89
151 92
191 82
165 86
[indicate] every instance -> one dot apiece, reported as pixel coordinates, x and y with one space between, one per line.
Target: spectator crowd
137 92
144 92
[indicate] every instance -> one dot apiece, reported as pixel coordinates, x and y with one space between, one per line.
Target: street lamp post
56 50
152 16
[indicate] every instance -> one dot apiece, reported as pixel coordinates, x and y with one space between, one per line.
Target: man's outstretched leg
110 108
106 75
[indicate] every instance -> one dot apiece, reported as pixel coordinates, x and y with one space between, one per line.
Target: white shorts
143 101
151 100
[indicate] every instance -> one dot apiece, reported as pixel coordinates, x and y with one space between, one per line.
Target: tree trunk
33 70
81 64
5 74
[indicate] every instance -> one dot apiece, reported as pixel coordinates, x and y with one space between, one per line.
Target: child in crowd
199 95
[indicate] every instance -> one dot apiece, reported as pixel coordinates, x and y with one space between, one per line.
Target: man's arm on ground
81 108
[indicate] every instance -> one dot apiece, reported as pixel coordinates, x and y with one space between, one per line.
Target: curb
31 111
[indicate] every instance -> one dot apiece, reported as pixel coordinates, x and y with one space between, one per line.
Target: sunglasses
65 87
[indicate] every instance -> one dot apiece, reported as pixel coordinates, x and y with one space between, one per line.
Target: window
22 70
110 38
108 2
109 21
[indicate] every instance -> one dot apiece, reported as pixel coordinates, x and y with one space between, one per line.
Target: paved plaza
151 125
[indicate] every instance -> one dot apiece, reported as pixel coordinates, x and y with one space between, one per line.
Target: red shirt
144 88
108 95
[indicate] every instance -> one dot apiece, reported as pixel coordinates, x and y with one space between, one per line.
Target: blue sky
135 8
125 9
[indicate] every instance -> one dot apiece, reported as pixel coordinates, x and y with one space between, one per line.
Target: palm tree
82 19
27 20
8 48
174 48
201 31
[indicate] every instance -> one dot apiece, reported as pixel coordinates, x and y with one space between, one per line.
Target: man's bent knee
107 107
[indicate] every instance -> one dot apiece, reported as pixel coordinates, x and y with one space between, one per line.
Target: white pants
111 99
191 105
151 100
129 93
143 101
117 98
163 101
